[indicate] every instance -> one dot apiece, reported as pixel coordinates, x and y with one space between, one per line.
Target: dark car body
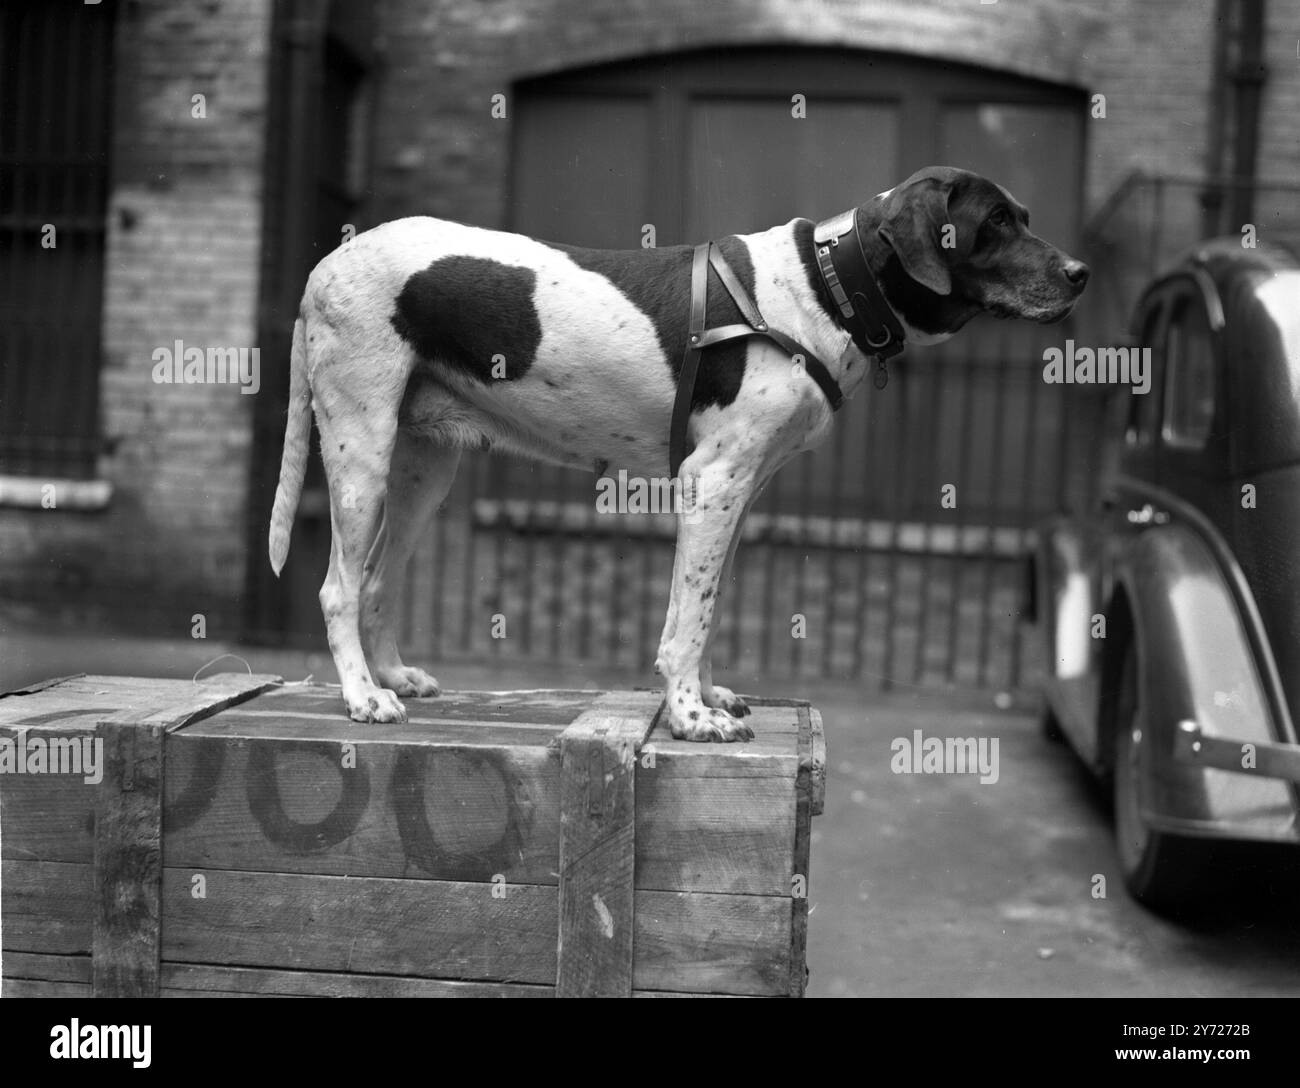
1171 611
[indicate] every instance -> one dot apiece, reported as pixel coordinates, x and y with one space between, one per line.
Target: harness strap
748 310
698 338
690 358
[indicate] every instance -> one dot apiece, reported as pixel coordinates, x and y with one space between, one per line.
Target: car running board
1267 759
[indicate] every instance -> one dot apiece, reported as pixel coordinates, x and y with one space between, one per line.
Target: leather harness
862 312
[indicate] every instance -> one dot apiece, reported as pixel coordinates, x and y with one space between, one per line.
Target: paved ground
921 884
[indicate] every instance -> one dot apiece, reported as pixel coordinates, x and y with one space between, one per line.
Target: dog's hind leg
356 399
419 478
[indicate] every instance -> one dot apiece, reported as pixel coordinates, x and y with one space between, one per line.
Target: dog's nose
1076 272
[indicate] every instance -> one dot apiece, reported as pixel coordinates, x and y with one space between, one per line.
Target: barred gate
850 565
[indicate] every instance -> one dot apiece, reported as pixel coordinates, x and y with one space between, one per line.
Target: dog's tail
297 446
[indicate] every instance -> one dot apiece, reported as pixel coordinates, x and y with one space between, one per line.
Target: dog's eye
1000 218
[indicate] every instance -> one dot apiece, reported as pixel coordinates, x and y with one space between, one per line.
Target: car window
1190 382
1144 410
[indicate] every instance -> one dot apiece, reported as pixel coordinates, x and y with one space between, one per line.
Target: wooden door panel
752 165
583 173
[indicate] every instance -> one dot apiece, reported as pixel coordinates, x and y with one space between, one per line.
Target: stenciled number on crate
488 775
267 806
191 801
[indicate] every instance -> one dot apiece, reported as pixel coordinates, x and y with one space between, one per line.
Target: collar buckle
864 313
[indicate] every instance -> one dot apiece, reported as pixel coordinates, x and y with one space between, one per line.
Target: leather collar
860 306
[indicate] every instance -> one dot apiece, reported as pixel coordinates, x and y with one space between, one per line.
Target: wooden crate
247 839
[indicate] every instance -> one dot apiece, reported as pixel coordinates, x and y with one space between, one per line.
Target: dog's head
963 246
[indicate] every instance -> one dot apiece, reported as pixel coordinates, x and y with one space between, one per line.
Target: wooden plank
208 697
450 812
737 944
556 708
817 761
46 817
700 943
207 980
26 987
33 965
598 845
128 860
81 702
231 994
52 811
718 819
196 979
78 712
337 730
455 727
709 822
46 907
685 996
103 683
715 818
800 857
41 685
432 929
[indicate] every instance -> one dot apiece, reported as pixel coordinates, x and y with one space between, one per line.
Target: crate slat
598 754
128 860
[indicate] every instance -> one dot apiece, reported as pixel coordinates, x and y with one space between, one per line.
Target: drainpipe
1212 193
1248 76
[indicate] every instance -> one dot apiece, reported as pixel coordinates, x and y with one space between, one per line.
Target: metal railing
850 564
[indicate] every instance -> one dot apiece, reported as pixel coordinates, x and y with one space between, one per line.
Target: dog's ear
913 219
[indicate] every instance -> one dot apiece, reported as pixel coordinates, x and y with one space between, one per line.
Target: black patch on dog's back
463 311
658 283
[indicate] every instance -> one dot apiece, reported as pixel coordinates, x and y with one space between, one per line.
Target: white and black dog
422 337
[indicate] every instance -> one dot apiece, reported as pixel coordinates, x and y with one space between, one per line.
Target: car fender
1065 595
1195 665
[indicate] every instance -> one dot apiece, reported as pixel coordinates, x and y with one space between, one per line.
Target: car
1170 610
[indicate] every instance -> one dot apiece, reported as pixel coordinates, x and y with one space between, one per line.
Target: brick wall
184 228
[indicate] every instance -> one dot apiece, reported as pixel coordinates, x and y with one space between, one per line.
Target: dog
421 338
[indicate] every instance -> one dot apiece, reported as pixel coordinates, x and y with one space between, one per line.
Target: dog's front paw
376 705
408 680
692 720
725 699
